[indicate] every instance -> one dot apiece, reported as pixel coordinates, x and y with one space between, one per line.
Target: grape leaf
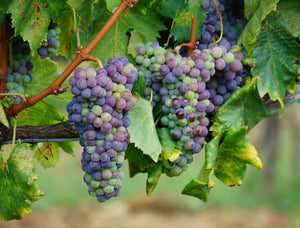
114 43
43 73
142 129
68 147
233 155
18 188
250 6
153 178
170 149
40 114
111 4
199 187
74 4
275 55
3 8
3 119
30 19
138 161
252 29
182 13
47 154
288 11
139 86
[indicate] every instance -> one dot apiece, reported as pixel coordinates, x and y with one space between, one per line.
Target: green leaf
74 4
233 155
44 72
139 86
250 33
138 161
31 19
250 6
17 184
142 129
40 114
153 178
200 187
3 118
111 4
243 108
47 154
288 11
3 8
275 55
68 147
116 43
170 148
182 12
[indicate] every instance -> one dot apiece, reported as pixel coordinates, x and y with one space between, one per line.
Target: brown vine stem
3 56
82 55
192 45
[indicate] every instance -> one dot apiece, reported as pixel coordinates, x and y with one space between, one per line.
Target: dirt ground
140 213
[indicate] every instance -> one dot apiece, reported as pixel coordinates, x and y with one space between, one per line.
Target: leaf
170 148
47 154
31 19
233 155
139 86
3 8
252 29
18 188
182 13
288 11
44 72
141 28
275 55
40 114
138 161
153 178
68 147
250 6
142 129
112 4
200 187
3 118
74 4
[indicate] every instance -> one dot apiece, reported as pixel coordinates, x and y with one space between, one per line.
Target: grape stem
3 56
83 54
221 23
192 45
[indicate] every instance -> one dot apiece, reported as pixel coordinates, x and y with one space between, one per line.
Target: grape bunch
178 84
50 45
19 69
212 25
99 108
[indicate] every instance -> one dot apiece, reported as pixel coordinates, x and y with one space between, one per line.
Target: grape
43 51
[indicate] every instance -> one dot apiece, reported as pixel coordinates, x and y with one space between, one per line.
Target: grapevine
178 79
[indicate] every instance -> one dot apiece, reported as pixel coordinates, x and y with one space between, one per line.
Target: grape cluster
19 69
50 45
178 84
212 25
99 108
